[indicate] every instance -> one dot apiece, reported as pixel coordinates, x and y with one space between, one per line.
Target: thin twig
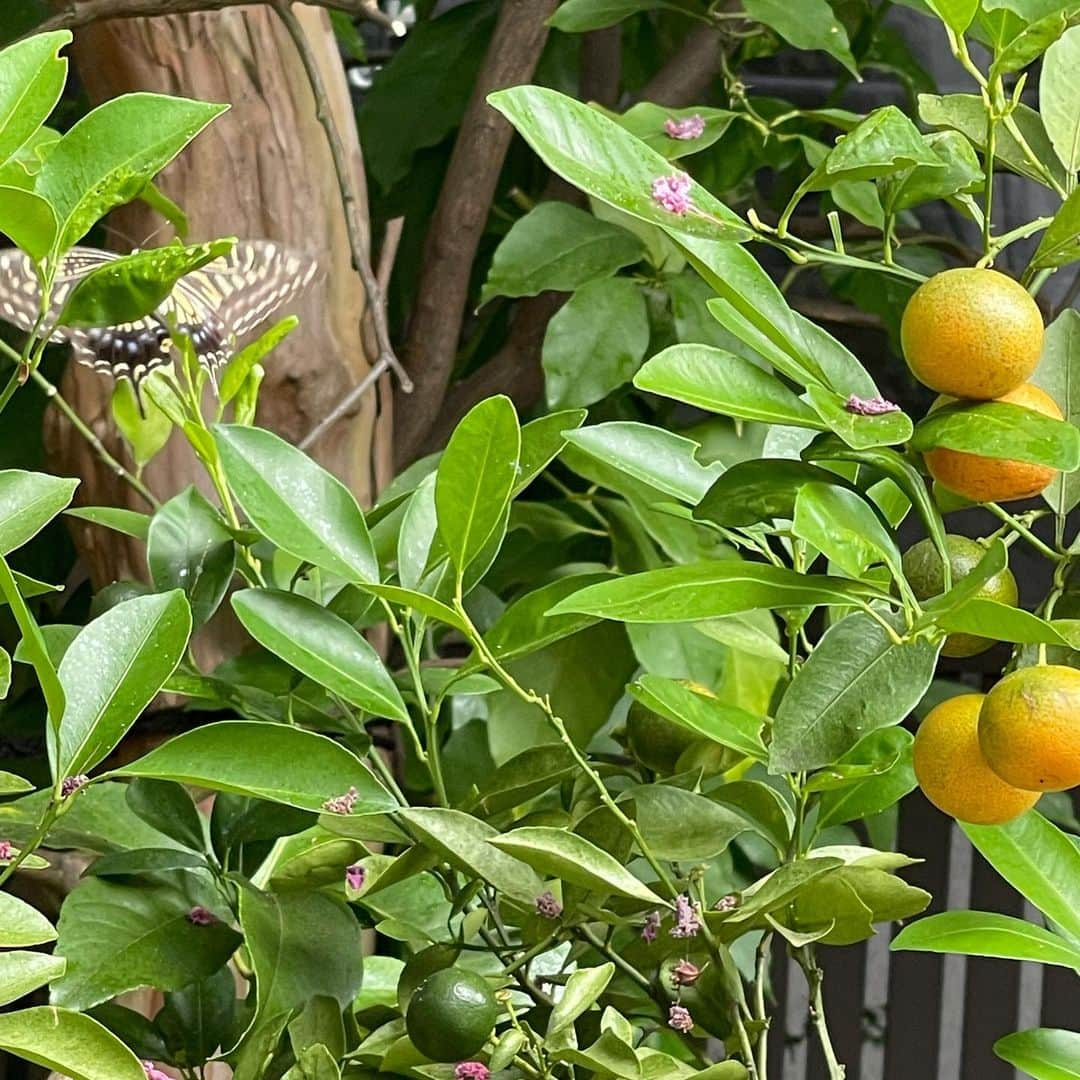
349 196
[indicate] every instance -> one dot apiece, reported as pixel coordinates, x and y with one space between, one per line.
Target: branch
82 12
461 216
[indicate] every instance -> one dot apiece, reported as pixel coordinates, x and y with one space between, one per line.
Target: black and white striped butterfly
215 306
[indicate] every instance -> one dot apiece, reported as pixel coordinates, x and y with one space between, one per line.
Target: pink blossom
154 1073
355 876
685 973
547 906
687 917
680 1018
651 927
342 804
689 127
200 916
727 903
7 852
673 193
874 406
471 1070
71 784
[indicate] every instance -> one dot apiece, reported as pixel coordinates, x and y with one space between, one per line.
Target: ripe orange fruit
1029 728
987 479
972 333
952 772
923 569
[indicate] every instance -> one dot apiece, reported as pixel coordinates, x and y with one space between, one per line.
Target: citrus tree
642 721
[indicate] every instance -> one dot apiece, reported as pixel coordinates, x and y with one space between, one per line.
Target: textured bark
261 170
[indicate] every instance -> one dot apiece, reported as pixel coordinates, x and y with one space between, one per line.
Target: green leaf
1032 41
877 792
32 77
965 113
145 428
167 807
68 1042
1058 374
858 431
681 825
126 864
524 776
112 670
1044 1053
660 458
856 681
578 16
648 121
266 761
559 247
199 1019
810 25
476 478
722 382
1001 622
1059 98
239 367
955 14
1060 244
606 322
5 673
20 924
999 430
541 441
129 522
133 286
921 184
28 220
464 842
885 142
118 937
702 713
28 502
983 933
707 590
107 157
415 601
321 646
573 859
189 547
302 945
598 156
841 524
295 503
582 991
10 784
1039 861
23 972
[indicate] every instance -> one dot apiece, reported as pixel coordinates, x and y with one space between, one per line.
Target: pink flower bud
680 1019
689 127
355 876
547 906
687 918
651 927
874 406
673 193
154 1073
200 916
342 804
471 1070
7 852
685 973
71 784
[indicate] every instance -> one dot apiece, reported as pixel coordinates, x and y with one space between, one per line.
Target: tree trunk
262 170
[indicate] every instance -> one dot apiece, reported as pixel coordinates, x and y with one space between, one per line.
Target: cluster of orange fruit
987 758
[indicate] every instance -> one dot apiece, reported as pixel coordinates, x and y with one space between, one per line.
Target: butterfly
214 306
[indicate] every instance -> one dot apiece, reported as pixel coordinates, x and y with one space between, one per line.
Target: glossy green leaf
23 972
112 670
1058 374
559 247
1043 1053
199 1019
598 156
476 478
239 367
190 548
415 601
1039 861
10 784
321 646
129 522
879 790
464 842
1000 621
999 430
812 25
660 458
1059 98
541 441
681 825
266 761
859 432
526 775
127 864
702 713
841 524
133 286
572 858
583 990
68 1042
648 121
921 184
723 383
707 590
27 219
32 77
884 142
856 681
955 14
1060 244
295 503
28 502
607 321
578 16
301 945
984 933
118 937
20 924
167 807
145 428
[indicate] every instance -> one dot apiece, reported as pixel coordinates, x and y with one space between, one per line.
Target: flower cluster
680 1019
651 928
200 916
689 127
685 973
673 193
7 852
727 903
547 906
154 1073
342 804
471 1070
687 917
874 406
71 784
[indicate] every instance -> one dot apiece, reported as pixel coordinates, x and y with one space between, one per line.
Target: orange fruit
972 333
1029 728
952 772
987 479
923 569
